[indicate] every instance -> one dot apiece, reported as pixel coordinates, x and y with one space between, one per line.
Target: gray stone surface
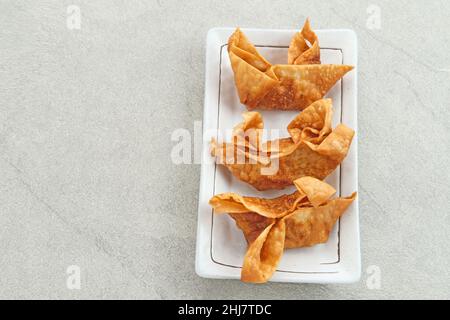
85 123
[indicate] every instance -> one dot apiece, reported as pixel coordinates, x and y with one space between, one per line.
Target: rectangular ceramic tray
220 244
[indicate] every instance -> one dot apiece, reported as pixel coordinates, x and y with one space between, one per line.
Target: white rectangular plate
220 244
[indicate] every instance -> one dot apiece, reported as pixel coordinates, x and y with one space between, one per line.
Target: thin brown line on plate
215 170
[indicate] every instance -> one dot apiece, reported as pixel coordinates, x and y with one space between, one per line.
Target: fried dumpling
313 149
293 86
302 219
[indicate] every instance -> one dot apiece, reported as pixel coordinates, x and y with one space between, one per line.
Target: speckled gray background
85 123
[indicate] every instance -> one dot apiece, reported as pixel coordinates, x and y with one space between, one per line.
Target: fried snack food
313 149
293 86
302 219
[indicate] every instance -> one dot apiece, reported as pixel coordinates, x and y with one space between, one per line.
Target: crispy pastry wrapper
264 254
300 52
293 86
302 219
313 149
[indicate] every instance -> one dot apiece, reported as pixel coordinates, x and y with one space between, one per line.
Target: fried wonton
302 219
313 149
293 86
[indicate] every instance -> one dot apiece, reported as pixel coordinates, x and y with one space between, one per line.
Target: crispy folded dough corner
264 254
300 52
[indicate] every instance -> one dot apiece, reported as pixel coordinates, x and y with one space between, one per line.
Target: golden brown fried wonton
313 149
282 87
302 219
